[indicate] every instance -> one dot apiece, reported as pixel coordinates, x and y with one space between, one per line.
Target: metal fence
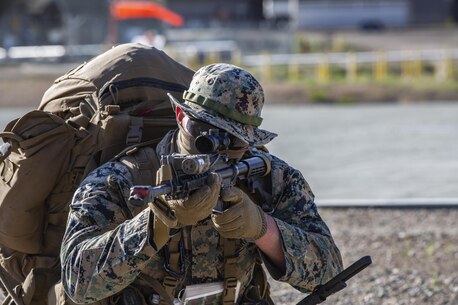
408 64
439 64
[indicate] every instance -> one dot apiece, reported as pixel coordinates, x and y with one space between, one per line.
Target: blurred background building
295 41
47 22
363 14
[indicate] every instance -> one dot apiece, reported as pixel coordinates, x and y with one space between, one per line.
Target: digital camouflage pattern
229 98
106 245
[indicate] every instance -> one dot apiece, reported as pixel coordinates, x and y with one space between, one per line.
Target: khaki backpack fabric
88 116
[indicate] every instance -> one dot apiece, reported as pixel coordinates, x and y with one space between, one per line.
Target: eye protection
196 128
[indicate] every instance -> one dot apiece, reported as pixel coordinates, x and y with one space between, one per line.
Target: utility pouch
37 284
40 151
258 292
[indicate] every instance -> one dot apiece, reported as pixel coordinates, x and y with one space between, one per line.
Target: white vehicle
363 14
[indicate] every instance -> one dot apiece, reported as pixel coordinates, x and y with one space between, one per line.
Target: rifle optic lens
210 143
193 166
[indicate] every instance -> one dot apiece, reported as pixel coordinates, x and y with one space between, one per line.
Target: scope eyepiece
212 141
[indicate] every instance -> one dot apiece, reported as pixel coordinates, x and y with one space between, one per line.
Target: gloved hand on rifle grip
198 206
243 219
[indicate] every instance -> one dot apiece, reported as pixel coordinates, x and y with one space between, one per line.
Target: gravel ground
414 257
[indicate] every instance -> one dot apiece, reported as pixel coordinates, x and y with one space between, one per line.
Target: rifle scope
212 141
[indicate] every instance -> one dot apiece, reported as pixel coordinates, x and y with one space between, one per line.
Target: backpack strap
131 149
7 283
134 135
230 278
173 264
142 162
11 135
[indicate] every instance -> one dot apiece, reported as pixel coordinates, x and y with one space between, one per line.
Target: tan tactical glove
243 219
179 213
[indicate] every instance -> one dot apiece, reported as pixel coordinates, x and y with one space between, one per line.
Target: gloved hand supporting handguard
243 219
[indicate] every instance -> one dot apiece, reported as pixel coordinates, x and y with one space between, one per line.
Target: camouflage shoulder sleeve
312 258
104 247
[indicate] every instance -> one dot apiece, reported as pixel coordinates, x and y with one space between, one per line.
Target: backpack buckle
134 135
112 109
229 295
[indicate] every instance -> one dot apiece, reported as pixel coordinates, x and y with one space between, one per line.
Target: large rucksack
87 117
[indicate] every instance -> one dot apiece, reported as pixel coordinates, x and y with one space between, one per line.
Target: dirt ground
414 254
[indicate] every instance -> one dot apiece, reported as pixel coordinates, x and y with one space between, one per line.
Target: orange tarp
141 9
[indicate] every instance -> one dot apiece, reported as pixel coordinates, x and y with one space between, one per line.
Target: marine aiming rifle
337 283
180 174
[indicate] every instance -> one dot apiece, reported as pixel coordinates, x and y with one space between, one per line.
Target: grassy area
307 84
28 92
341 92
26 89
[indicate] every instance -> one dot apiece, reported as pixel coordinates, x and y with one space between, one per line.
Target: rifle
181 174
337 283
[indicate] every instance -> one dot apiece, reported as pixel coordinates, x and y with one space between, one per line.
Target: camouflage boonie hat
227 97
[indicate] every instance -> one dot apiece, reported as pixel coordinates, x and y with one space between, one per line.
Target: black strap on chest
173 256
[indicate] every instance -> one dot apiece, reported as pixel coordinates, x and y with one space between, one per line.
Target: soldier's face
195 128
